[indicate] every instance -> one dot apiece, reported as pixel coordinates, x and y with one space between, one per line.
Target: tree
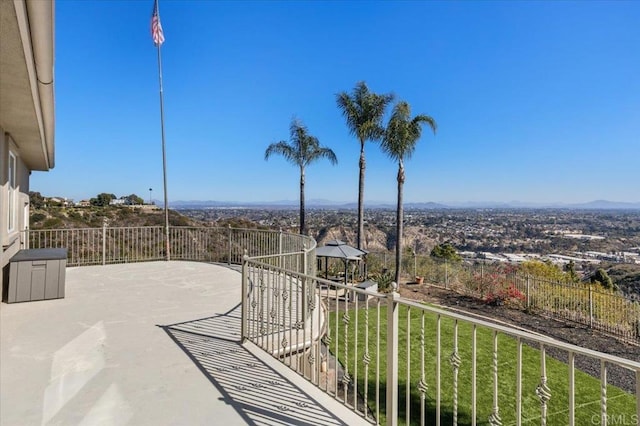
101 200
363 110
134 200
601 277
445 252
399 143
36 200
302 150
543 270
570 270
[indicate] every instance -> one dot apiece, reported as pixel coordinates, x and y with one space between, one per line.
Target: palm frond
349 111
325 153
363 111
302 149
282 148
422 118
403 132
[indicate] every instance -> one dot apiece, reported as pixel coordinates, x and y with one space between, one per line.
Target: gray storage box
369 287
37 275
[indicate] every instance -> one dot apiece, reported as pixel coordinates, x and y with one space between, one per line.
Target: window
11 223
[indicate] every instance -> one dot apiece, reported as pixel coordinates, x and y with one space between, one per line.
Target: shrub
384 280
73 214
52 222
38 217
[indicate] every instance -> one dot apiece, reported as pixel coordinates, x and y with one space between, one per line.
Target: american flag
156 27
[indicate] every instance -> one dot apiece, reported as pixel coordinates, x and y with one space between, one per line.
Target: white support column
245 292
519 382
474 356
104 241
392 356
494 418
638 394
603 393
280 249
229 240
542 391
305 284
572 389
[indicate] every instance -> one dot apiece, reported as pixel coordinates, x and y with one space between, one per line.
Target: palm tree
399 143
363 110
303 150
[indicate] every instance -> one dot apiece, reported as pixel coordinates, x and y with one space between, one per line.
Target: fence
391 360
586 304
395 361
108 245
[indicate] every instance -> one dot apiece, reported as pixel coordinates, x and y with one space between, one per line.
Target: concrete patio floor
147 344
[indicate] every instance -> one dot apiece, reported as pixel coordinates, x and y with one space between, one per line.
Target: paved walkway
147 344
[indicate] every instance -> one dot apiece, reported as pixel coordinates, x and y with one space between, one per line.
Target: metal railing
108 245
586 304
395 361
389 359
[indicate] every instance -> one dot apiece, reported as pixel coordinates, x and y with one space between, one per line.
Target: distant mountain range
327 204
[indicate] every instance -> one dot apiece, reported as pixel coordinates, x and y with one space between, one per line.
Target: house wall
10 241
27 111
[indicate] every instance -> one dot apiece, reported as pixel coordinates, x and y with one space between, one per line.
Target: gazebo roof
339 249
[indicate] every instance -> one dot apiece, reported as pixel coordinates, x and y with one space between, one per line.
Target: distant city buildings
512 236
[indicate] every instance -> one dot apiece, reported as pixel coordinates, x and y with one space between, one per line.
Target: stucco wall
11 241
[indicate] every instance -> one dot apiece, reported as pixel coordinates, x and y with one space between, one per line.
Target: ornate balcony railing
391 360
395 361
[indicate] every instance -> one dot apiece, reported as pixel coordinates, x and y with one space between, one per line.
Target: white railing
108 245
389 359
396 361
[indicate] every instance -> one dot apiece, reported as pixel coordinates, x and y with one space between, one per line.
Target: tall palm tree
302 150
399 143
363 110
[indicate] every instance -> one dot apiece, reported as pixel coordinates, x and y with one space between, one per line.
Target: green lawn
587 388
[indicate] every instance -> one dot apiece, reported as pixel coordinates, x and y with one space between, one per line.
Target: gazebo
338 249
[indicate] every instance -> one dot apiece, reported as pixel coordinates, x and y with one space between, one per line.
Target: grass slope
587 397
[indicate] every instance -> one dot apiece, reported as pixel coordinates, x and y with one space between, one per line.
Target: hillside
95 217
626 276
377 238
121 216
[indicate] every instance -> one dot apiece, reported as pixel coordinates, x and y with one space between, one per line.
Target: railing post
104 242
415 264
24 243
590 307
392 356
280 248
245 292
305 293
446 274
229 238
166 237
528 292
637 394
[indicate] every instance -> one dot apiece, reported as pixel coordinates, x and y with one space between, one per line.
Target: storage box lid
40 254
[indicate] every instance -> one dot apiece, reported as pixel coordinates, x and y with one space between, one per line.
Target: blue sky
535 101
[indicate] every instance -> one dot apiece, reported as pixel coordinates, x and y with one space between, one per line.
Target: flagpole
164 156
